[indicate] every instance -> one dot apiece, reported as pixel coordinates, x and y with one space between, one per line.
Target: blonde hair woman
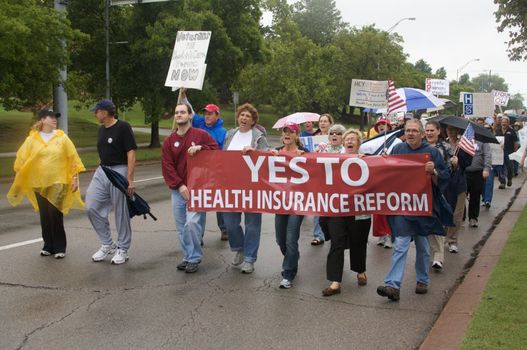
47 167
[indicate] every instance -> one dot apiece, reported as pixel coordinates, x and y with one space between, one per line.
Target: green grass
500 322
82 128
89 159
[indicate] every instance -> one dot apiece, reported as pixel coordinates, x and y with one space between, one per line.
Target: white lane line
20 244
14 245
150 179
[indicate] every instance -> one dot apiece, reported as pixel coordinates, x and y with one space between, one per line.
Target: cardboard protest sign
311 184
311 142
478 104
501 98
369 93
437 86
187 67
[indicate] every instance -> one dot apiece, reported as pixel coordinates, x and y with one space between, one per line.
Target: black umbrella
522 118
480 133
136 204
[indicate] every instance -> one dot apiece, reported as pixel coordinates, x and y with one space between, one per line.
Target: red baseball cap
291 126
212 108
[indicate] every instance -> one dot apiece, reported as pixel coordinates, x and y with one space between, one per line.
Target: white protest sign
311 142
437 86
501 98
497 154
478 104
187 67
369 93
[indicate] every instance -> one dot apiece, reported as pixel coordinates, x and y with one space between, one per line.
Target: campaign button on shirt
176 144
110 140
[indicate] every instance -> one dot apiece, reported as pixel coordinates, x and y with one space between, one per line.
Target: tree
422 66
488 82
440 73
516 102
31 52
511 15
318 20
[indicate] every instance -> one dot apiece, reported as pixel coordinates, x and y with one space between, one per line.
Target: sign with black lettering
187 67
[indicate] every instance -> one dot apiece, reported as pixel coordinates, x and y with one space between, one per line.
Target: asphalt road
146 303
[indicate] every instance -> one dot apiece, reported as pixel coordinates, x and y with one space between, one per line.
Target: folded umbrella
136 204
480 133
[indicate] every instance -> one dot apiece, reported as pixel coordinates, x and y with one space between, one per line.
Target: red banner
311 184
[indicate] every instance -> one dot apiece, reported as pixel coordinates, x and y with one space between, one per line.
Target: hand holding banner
311 184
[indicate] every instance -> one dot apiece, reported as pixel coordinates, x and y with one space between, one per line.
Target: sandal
362 280
317 241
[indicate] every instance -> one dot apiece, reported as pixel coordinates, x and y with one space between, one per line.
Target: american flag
467 142
394 100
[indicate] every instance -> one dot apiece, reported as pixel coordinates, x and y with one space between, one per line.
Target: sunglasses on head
335 133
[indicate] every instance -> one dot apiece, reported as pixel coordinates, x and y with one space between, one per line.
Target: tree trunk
154 134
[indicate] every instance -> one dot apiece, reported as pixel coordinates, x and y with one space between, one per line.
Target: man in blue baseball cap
116 147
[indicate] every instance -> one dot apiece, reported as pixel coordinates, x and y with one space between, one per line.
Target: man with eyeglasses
416 228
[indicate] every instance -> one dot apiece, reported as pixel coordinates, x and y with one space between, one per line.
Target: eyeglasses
335 133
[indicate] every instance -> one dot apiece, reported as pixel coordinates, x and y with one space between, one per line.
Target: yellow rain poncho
47 168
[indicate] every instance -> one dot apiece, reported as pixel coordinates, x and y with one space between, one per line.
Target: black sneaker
502 186
182 266
389 292
487 205
509 183
191 267
421 288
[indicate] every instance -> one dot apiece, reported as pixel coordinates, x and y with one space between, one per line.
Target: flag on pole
394 100
467 142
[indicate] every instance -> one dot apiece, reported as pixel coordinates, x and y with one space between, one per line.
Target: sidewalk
449 329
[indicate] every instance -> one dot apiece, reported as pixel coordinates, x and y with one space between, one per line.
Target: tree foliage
33 47
318 20
512 16
488 82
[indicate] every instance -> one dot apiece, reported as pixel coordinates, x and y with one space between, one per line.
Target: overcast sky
446 33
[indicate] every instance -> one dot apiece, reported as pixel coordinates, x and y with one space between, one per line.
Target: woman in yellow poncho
47 167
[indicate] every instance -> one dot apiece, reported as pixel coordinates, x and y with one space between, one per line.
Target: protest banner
311 142
501 98
437 86
369 93
497 153
187 67
478 104
311 184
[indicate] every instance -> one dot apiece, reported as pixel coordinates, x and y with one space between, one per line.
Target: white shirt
240 140
46 136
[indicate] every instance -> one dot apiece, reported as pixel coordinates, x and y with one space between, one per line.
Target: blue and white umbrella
415 99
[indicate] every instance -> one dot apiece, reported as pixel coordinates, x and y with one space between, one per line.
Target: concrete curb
449 329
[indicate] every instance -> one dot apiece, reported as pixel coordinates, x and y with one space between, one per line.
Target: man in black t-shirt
116 147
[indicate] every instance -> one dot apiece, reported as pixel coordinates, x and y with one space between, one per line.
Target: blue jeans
221 224
401 245
488 188
188 228
248 242
317 231
287 233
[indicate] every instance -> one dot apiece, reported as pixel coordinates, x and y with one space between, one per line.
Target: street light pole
107 33
399 21
60 97
463 66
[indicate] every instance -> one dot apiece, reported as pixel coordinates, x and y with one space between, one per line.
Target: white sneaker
45 253
238 258
120 257
381 240
59 255
103 252
247 267
452 248
285 284
437 265
388 242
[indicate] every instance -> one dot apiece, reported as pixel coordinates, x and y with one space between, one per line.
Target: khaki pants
451 235
437 247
